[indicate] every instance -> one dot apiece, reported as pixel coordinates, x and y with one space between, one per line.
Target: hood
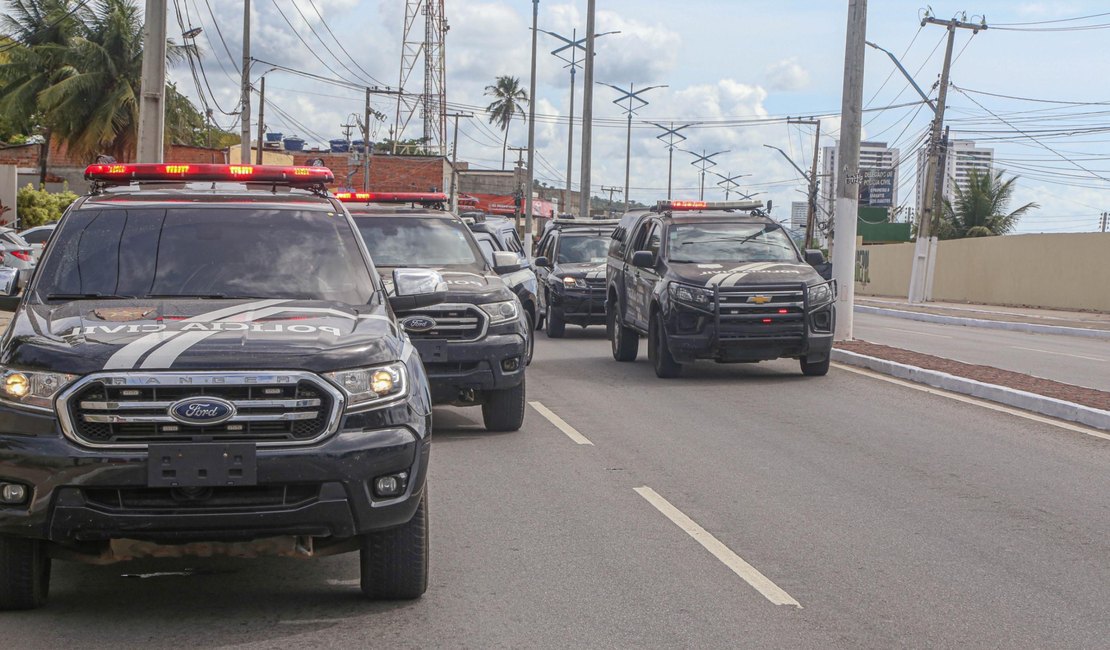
475 287
747 273
86 336
580 269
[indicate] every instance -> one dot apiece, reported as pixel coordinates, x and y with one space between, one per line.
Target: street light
670 133
703 161
729 183
635 102
573 44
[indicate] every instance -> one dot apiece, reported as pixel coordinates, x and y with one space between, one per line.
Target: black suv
477 343
717 281
570 268
209 367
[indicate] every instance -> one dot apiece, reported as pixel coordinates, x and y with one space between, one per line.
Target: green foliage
981 209
509 99
37 207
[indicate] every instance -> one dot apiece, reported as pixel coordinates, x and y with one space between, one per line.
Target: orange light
138 172
177 169
392 197
116 169
240 170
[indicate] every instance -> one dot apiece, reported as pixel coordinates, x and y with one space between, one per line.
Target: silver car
16 254
37 237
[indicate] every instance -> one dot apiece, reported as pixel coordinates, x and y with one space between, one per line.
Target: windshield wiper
201 296
86 296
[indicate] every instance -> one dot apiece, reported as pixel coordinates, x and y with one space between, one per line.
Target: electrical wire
312 29
369 76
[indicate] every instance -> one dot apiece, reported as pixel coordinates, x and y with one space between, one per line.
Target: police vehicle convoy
718 281
570 268
476 344
207 361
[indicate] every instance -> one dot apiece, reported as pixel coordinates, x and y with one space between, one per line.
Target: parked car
504 230
17 253
37 237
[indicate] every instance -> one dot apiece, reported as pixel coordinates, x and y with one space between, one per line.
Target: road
891 516
1070 359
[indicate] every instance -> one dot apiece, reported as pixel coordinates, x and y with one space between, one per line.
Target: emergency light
118 173
680 206
392 197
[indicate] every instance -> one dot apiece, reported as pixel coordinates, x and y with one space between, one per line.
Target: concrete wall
1061 271
8 188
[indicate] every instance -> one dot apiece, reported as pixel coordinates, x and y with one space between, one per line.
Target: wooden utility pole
933 187
847 181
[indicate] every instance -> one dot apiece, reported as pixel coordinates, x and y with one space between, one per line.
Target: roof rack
427 199
114 174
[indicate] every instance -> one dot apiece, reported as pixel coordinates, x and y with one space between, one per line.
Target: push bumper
80 495
702 340
493 363
580 307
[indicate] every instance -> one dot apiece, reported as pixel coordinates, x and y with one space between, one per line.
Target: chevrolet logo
759 300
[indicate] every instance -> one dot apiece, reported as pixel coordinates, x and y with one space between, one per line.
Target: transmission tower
428 46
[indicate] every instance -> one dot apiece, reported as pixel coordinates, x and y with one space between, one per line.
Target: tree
509 100
980 209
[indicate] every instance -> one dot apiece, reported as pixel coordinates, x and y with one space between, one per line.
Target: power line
1047 22
317 35
304 42
343 49
220 34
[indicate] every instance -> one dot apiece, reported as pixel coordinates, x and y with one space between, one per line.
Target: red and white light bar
680 206
127 173
392 197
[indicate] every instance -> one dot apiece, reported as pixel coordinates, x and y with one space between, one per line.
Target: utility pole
847 187
632 96
587 113
245 91
531 131
933 190
611 191
454 193
367 146
152 106
261 117
1105 220
671 133
519 193
703 161
811 210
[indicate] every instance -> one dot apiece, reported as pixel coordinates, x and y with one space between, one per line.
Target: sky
1033 87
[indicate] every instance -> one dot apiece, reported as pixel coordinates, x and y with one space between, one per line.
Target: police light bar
679 206
392 197
128 173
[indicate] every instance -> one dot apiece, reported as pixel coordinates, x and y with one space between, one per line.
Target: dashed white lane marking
747 572
977 402
561 424
1060 354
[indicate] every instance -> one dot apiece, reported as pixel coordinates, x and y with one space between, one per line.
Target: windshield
414 241
210 253
730 242
583 249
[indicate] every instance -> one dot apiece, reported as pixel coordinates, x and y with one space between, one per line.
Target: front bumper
580 307
82 496
695 335
457 367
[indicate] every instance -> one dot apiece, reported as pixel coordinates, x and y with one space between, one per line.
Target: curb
1049 406
1034 328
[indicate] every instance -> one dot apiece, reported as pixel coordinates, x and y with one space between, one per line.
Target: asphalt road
1070 359
891 516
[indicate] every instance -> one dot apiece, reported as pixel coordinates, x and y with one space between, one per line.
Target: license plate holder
202 465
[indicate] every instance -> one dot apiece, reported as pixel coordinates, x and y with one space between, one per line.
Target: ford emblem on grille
418 324
203 411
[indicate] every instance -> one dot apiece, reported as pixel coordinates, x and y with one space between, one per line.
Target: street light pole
703 161
633 96
670 133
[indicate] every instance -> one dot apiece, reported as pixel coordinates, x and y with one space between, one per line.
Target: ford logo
418 324
203 411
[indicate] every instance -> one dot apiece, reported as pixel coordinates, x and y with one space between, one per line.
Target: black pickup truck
206 361
570 270
718 281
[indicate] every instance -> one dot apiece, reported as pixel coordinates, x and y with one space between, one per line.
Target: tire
503 409
530 339
815 369
394 562
556 326
625 341
665 365
24 573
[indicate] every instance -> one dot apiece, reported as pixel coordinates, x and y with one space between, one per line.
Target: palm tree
980 209
509 100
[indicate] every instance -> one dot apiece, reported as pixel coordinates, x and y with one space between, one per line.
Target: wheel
394 562
529 339
665 365
24 573
625 341
556 326
815 369
503 409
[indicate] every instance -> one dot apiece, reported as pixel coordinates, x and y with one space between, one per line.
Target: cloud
786 76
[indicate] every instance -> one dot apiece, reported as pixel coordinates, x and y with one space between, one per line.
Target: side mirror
643 259
542 262
416 288
505 262
814 257
9 288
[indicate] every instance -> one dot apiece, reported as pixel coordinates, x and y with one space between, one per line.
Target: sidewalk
1050 321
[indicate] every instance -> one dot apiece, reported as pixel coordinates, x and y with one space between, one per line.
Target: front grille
134 409
453 322
213 498
597 287
763 312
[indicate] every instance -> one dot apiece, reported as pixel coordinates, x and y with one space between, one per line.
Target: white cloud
786 75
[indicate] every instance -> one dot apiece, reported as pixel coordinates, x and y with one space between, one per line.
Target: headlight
819 294
696 296
367 386
575 283
501 312
32 388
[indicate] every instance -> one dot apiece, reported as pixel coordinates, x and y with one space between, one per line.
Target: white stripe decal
127 356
